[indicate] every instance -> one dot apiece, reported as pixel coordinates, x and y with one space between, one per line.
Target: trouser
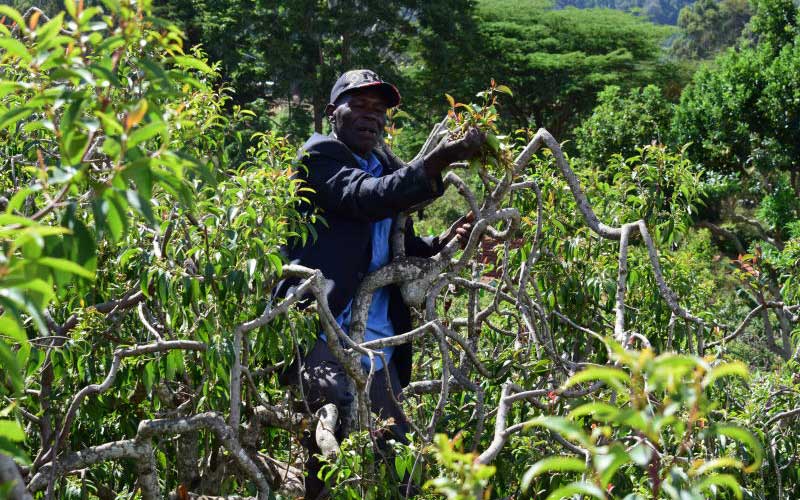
325 381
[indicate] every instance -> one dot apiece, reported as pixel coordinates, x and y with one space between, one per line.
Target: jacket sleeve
350 192
420 246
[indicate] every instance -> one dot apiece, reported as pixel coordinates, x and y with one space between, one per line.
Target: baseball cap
363 78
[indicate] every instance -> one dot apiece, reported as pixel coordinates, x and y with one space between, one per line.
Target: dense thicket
623 322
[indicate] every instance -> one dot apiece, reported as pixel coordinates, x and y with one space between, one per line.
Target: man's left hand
460 230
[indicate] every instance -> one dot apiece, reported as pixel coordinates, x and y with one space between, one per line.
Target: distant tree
294 50
780 105
776 22
708 26
743 112
621 122
719 113
556 61
446 55
658 11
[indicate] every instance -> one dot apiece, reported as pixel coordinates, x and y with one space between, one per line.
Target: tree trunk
783 321
319 112
770 337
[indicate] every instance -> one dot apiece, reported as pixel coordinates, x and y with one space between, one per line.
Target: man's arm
427 246
353 193
348 191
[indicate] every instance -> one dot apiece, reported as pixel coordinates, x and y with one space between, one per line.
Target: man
359 187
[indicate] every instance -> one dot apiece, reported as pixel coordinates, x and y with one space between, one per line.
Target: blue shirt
379 326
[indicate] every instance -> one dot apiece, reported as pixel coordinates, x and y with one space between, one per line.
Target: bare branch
746 321
215 423
622 286
119 354
501 432
326 430
783 415
760 229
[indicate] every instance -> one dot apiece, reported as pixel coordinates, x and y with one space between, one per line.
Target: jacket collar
330 146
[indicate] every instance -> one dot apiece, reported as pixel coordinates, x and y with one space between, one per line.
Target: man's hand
452 151
459 230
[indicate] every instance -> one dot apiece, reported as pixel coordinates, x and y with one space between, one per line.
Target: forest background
685 115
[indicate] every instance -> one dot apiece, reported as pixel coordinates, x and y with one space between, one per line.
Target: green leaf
11 328
114 216
8 360
32 232
552 464
276 263
7 87
614 377
641 454
66 266
15 48
110 123
69 5
10 219
608 463
193 63
579 488
141 205
400 465
745 437
569 430
492 142
14 15
504 89
123 259
174 363
13 116
717 463
145 133
50 29
112 5
11 430
149 375
140 174
602 411
30 289
674 366
724 480
735 368
88 14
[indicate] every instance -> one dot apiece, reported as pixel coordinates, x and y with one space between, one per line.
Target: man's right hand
452 151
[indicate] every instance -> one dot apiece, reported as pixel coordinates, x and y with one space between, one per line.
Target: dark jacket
349 199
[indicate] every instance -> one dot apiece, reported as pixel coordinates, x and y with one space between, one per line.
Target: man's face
358 119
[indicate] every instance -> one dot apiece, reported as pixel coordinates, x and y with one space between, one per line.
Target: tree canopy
708 26
659 11
741 112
